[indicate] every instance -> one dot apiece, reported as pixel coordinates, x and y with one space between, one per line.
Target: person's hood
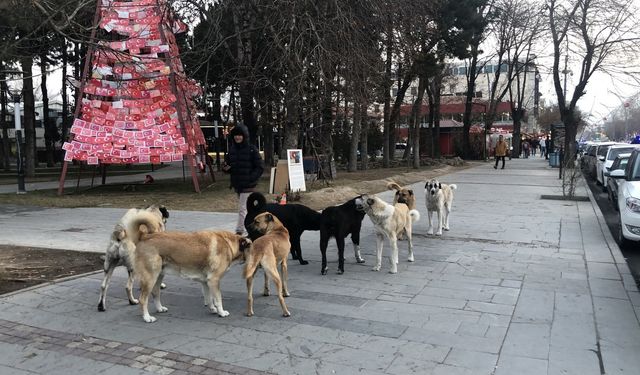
240 129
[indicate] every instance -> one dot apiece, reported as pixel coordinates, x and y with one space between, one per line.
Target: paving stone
564 360
528 339
489 308
407 365
573 330
534 306
512 364
479 362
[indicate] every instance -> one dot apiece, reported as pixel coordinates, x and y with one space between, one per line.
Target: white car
629 200
604 162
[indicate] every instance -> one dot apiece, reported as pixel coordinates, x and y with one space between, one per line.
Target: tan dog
439 199
121 247
268 251
390 221
403 195
204 256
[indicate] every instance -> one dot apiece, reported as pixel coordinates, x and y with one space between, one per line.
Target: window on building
488 69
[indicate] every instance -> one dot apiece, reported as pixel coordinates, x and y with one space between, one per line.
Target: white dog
389 221
439 198
120 250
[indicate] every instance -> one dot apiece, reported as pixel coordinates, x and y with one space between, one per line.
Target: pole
19 157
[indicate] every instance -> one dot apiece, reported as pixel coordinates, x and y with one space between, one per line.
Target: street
631 254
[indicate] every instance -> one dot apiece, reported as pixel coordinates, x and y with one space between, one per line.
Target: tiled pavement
519 285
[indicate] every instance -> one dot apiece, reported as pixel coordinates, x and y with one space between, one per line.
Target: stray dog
120 249
295 217
339 222
390 221
268 251
403 195
204 256
439 199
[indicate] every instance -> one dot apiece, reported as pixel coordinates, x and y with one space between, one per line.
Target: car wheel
622 242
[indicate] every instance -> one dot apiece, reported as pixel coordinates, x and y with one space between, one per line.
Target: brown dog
268 251
403 195
204 256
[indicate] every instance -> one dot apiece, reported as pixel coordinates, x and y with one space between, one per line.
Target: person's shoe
502 168
495 167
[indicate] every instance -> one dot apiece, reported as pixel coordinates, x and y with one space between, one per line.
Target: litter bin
554 159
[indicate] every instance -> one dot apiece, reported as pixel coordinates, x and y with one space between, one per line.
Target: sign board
281 179
296 170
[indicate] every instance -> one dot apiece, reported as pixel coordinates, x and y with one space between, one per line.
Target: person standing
245 165
543 148
500 151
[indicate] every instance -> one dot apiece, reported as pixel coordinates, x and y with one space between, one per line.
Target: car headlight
633 204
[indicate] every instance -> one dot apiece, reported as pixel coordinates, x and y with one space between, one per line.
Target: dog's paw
339 272
393 270
446 228
359 260
439 233
266 293
134 301
162 309
375 268
286 314
223 313
163 286
149 318
250 313
430 232
213 310
286 294
411 259
324 271
101 306
304 262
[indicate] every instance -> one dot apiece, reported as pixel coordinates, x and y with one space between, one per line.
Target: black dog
295 217
339 222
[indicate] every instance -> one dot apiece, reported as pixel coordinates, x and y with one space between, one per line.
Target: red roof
455 105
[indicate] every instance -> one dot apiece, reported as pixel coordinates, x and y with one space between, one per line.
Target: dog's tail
252 261
392 185
142 223
415 215
256 203
453 186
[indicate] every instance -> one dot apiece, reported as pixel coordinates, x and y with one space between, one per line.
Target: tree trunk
49 130
516 143
355 137
422 84
468 103
364 143
29 116
386 136
6 146
291 128
63 92
437 91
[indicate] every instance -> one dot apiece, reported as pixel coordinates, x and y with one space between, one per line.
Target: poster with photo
296 170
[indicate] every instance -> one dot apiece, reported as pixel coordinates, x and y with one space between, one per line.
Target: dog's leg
430 230
145 289
394 253
409 230
355 239
295 246
271 268
156 295
324 242
284 270
447 210
340 244
379 244
129 287
105 285
440 223
265 290
214 288
206 293
250 295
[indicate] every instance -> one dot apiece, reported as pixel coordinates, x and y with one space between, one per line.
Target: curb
48 283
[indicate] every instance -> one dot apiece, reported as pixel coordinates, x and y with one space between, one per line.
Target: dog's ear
268 217
439 186
410 192
244 243
119 233
426 184
370 201
164 211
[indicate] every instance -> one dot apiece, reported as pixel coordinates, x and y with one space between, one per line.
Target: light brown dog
204 256
121 247
402 195
390 221
268 251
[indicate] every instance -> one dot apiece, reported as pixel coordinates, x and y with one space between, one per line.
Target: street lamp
14 84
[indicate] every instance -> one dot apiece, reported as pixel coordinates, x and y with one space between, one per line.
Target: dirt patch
22 267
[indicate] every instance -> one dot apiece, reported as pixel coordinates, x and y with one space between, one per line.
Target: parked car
620 162
587 158
604 162
629 200
600 150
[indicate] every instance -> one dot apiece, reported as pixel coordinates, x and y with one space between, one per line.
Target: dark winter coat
245 162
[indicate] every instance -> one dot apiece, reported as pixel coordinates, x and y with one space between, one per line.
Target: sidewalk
519 285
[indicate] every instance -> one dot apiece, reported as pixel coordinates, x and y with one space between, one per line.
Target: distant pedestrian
500 151
245 165
547 145
543 148
525 148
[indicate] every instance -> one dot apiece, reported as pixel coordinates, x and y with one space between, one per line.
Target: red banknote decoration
137 103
